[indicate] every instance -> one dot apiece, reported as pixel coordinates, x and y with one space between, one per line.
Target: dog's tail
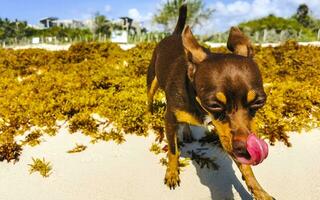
182 19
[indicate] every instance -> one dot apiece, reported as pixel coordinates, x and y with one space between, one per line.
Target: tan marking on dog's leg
153 89
172 178
251 96
183 116
225 136
221 97
252 183
172 173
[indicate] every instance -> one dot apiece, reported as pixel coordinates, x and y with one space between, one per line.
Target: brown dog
199 85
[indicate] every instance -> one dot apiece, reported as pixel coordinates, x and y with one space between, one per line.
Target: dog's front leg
252 183
172 174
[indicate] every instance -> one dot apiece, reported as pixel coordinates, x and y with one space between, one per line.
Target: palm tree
101 25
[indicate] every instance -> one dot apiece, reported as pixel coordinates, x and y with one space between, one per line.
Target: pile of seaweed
39 88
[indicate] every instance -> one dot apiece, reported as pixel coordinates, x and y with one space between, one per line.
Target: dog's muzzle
257 149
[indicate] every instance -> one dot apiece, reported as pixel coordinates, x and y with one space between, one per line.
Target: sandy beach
129 171
58 47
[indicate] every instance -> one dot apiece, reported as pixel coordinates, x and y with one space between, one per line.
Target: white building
49 22
68 23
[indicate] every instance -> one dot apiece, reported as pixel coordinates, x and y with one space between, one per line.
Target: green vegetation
18 30
61 33
301 24
41 166
279 24
15 31
303 17
40 87
102 25
272 22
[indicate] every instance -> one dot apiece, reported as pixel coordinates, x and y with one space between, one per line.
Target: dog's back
168 56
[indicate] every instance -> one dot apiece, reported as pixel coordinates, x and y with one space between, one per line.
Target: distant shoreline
59 47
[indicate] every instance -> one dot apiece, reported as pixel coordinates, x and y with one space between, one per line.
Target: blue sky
228 12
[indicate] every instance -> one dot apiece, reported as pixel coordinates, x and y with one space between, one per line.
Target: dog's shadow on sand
223 183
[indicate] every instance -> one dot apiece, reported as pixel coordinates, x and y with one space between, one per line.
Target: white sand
50 47
314 43
129 171
57 47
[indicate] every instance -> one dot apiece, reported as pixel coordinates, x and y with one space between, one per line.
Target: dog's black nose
240 149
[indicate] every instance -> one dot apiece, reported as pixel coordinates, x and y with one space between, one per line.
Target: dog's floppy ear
195 53
239 43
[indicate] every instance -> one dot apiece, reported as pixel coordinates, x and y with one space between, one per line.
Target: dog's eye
215 107
258 103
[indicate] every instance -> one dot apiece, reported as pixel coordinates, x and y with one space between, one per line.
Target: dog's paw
172 179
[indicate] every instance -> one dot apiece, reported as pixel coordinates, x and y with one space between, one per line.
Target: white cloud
238 7
107 8
134 14
229 14
145 20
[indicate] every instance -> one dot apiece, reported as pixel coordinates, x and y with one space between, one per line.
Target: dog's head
229 89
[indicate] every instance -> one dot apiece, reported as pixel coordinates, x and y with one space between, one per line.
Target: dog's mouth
257 149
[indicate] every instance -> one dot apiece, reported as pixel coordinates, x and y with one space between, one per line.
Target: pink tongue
257 148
